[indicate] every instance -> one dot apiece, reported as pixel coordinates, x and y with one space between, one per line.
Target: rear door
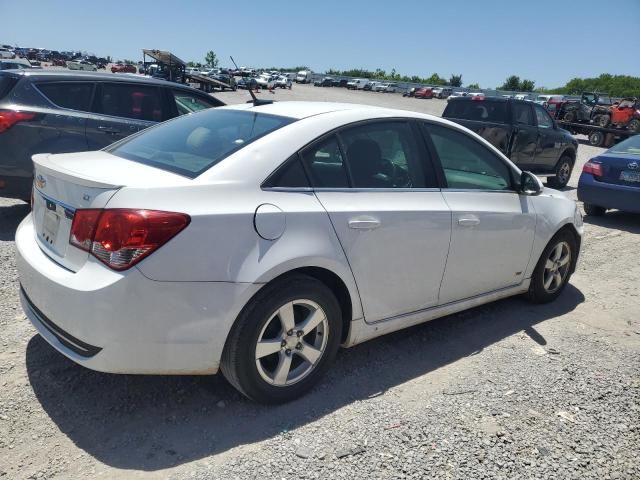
378 186
524 141
121 109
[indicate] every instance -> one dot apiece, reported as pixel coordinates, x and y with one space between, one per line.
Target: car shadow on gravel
155 422
10 218
616 220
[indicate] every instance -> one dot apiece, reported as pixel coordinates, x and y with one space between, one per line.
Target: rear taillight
8 118
593 168
120 238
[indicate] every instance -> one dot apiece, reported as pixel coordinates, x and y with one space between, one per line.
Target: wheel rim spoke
557 252
282 370
549 264
267 347
312 321
558 279
309 353
548 281
286 317
565 259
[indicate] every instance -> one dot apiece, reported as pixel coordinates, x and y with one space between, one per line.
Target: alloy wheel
564 172
292 342
556 267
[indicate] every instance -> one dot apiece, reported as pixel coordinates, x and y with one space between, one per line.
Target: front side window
544 120
522 114
325 164
72 95
139 102
191 144
384 155
468 164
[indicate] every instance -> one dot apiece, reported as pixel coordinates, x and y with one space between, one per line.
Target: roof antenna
255 100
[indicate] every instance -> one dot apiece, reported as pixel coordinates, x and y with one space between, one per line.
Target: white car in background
81 65
266 80
283 81
7 53
258 239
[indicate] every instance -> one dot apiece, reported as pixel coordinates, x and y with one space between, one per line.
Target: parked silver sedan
258 239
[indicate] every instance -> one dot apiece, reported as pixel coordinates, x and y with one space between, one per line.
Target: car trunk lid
620 169
68 182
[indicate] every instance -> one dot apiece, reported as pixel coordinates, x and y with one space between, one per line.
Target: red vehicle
625 114
424 92
553 106
126 68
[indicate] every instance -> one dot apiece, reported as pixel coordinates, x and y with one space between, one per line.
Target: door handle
468 221
364 223
108 129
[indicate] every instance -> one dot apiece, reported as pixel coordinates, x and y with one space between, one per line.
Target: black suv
60 112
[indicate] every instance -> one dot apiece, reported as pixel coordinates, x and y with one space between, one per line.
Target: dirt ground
507 390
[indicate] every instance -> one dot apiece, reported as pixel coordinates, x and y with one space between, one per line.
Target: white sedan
258 239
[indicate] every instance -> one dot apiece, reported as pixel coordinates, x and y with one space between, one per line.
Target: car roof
38 74
300 110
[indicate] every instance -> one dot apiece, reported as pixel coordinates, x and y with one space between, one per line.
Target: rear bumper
608 195
123 322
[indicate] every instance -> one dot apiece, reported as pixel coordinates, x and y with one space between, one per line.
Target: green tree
473 86
211 59
455 80
527 85
511 84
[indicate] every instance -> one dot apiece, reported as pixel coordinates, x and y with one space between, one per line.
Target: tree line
614 85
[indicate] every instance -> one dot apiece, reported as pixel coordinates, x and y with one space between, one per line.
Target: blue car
612 179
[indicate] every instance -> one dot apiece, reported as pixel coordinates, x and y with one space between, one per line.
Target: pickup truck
522 130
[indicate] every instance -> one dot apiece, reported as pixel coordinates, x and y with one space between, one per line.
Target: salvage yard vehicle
81 65
612 179
124 68
347 222
586 110
7 53
522 130
623 114
442 92
283 81
325 82
424 92
358 84
410 93
304 76
58 111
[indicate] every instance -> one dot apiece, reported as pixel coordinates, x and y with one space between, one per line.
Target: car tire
562 173
550 278
634 126
594 210
304 356
569 117
604 120
596 138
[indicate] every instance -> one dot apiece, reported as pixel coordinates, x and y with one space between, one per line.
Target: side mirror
530 184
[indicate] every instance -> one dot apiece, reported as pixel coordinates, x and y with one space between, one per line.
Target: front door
492 225
525 135
122 109
380 192
550 142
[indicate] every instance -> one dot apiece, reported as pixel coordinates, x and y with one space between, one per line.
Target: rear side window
72 95
6 84
522 114
139 102
479 110
191 144
290 174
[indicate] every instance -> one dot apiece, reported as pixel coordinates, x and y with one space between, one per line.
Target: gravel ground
508 390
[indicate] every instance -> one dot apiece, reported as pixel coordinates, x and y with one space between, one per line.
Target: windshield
631 146
194 143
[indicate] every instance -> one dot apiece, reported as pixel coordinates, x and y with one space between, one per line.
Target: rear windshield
630 145
6 84
192 144
480 110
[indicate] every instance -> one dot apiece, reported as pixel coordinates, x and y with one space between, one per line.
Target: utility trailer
207 83
598 136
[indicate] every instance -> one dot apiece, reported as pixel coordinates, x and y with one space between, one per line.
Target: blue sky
549 41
